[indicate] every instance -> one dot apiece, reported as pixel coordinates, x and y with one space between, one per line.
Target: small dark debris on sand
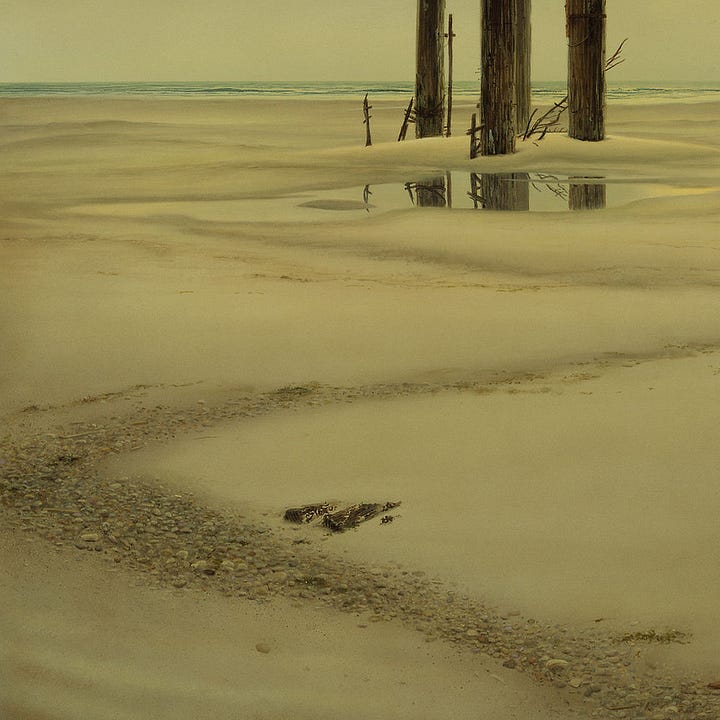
339 520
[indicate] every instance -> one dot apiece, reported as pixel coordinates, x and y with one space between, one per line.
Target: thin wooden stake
473 132
406 120
450 35
366 121
523 42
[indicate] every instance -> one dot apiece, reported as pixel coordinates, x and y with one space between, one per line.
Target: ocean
542 91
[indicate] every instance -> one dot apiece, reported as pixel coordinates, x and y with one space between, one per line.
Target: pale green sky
66 40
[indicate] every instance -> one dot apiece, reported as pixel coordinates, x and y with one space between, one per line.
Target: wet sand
537 388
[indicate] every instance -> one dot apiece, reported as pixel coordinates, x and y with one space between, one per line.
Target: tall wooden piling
586 68
497 83
430 69
523 44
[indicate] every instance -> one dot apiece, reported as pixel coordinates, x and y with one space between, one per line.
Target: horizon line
308 81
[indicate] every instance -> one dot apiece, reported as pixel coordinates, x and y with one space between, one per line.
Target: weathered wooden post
450 35
497 83
523 43
586 68
430 69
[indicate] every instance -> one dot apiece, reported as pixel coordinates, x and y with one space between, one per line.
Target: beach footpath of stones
49 487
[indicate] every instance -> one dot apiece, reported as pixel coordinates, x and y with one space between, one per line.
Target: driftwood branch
615 59
409 118
366 113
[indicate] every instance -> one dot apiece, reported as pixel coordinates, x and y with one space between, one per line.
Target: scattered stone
262 647
90 537
557 665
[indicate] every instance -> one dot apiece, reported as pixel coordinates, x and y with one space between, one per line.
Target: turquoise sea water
541 90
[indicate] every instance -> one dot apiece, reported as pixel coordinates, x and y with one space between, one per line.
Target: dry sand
539 389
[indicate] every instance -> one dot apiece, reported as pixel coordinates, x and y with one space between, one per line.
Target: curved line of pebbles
48 486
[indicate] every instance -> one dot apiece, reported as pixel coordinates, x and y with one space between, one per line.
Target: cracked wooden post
497 84
430 69
523 44
586 69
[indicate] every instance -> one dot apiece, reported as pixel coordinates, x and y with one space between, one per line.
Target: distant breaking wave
542 91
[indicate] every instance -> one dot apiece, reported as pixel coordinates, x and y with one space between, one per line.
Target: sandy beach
213 310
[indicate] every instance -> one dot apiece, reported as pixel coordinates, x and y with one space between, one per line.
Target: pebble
263 648
557 664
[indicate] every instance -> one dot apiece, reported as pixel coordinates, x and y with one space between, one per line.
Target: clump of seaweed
653 636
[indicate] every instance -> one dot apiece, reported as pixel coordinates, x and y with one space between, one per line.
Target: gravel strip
49 487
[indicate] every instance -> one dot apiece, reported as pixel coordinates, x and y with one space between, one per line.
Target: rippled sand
561 464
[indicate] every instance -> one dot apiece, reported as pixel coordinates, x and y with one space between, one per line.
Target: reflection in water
431 192
500 191
586 196
515 192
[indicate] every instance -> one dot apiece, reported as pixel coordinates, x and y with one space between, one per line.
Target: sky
136 40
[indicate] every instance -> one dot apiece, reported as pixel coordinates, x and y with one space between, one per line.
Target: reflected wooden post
430 69
431 192
497 83
586 196
523 44
505 191
586 69
475 190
